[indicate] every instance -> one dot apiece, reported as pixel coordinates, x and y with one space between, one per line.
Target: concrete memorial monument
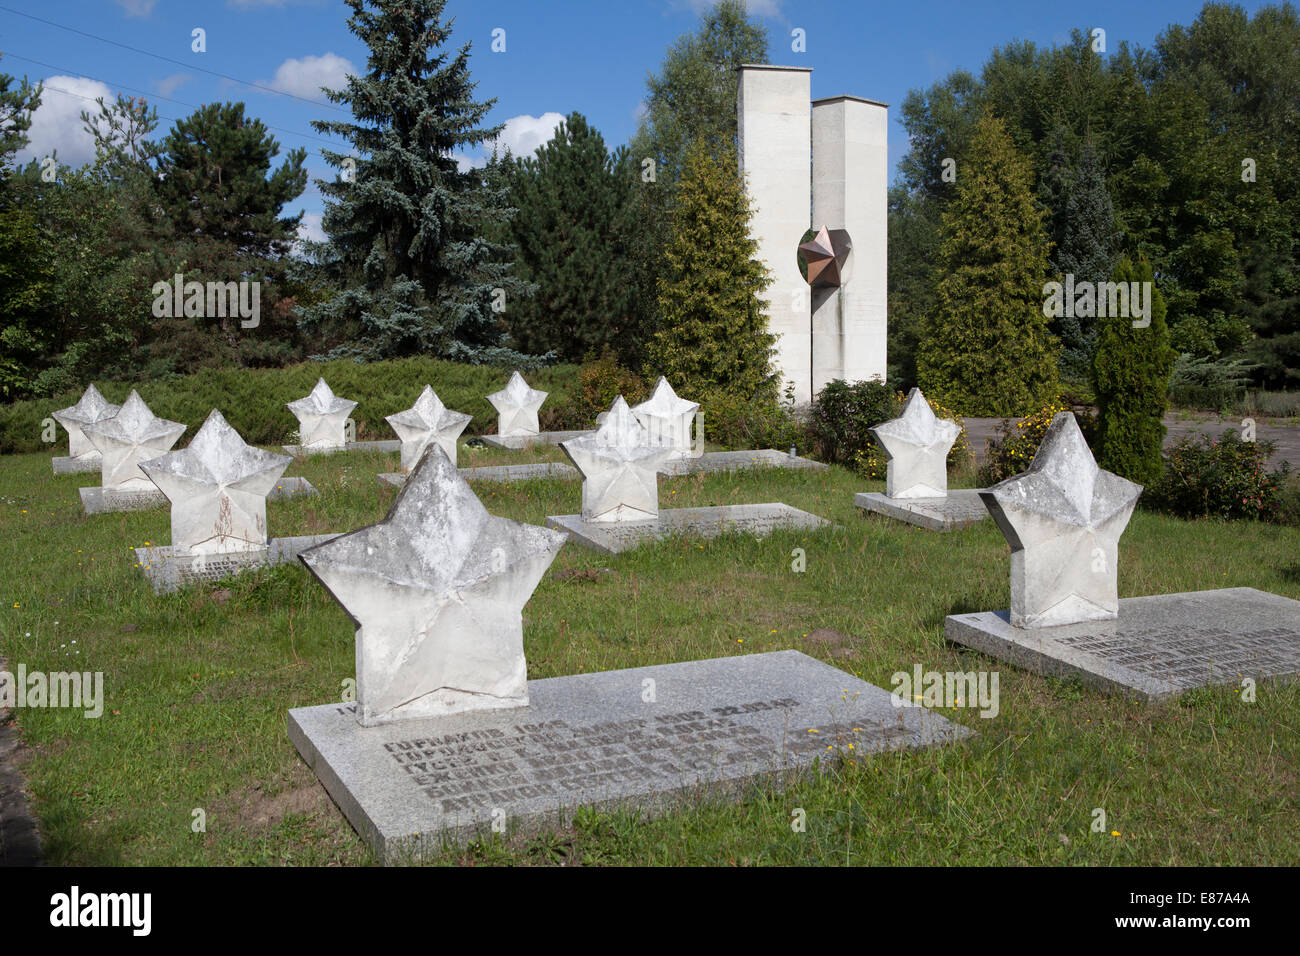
668 419
916 478
131 436
218 488
620 494
517 427
1063 519
82 455
428 420
831 325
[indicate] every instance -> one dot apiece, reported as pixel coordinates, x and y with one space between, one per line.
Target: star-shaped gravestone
428 420
1063 518
668 418
321 416
517 406
825 256
437 591
218 487
92 408
619 466
917 444
133 435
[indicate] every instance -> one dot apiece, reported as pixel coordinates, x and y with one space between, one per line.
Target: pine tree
1131 376
408 228
714 339
570 201
1088 251
986 349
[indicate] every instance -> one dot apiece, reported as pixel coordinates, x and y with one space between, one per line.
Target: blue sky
559 56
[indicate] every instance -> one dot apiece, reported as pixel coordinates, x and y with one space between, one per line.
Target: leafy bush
1227 478
843 415
600 380
755 423
253 400
1013 450
1203 383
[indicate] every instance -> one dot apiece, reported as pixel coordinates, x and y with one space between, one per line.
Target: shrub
1227 478
600 380
844 413
1013 450
737 424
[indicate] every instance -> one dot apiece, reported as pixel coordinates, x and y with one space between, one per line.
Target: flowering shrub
1227 478
1017 443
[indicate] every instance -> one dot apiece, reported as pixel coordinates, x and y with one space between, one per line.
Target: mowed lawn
197 686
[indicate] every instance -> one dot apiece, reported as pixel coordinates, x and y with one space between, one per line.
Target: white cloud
306 76
56 124
137 8
170 84
310 227
521 135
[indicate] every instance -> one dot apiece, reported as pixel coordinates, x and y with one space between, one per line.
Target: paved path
980 430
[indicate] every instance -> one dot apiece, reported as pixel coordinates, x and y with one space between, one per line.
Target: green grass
197 685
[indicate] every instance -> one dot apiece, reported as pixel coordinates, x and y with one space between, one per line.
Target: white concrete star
517 406
91 408
428 420
917 444
1063 519
131 436
619 466
668 419
217 487
437 591
321 417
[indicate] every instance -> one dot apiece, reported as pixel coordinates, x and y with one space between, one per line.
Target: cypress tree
986 349
713 340
1131 376
409 230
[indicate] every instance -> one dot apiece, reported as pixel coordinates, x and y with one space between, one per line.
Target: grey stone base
523 441
169 568
736 460
390 445
1159 646
77 466
960 509
100 500
613 537
593 740
545 469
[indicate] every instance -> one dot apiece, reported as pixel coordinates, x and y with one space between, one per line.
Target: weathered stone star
428 420
91 408
437 591
917 444
321 417
619 466
517 407
668 419
1063 519
133 435
217 487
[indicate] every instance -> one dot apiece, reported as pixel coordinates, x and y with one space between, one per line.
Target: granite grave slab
543 469
103 500
169 568
644 737
957 509
540 438
615 537
385 446
1157 647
